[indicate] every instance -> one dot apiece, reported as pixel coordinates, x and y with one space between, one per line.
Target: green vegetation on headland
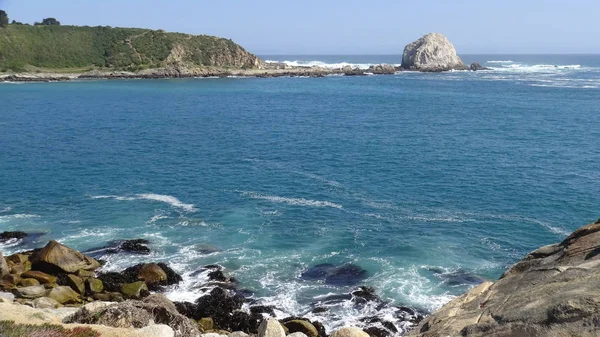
50 45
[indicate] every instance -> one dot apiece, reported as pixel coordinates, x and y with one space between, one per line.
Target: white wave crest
524 68
168 199
5 209
292 201
499 62
10 217
321 64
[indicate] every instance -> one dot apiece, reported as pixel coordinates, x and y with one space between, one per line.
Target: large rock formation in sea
432 52
553 291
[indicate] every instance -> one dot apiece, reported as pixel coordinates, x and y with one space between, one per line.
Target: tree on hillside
3 18
48 22
16 23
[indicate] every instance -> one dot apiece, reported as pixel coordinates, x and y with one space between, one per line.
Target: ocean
430 183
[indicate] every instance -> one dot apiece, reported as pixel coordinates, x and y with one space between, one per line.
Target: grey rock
4 270
349 332
6 297
553 291
475 66
238 334
157 330
382 69
270 327
46 303
431 53
297 334
30 292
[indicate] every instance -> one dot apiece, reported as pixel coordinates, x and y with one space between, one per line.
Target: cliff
553 291
70 47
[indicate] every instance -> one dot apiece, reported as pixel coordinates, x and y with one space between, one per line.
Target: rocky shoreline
553 290
270 70
57 277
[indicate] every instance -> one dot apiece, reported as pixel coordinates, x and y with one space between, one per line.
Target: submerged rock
17 235
346 275
431 53
135 246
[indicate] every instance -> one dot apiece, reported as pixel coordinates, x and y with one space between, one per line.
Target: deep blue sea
430 182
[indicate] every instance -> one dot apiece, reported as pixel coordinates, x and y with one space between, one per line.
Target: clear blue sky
345 27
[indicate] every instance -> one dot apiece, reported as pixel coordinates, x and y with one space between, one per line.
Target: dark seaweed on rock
113 281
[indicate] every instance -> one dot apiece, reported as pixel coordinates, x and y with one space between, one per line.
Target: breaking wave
291 201
168 199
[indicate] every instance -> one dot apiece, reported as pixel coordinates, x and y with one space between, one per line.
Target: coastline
60 286
268 70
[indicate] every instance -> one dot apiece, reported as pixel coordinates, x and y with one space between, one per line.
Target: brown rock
135 290
64 295
76 283
4 270
152 273
298 325
94 285
28 282
13 279
553 291
55 256
42 277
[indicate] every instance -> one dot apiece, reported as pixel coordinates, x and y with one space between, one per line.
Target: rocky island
553 291
64 53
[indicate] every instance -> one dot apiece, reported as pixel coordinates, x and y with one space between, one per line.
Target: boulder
64 295
12 278
151 273
30 292
154 309
113 281
270 328
349 332
4 270
157 330
355 72
28 282
135 290
206 323
238 334
76 283
431 53
42 277
46 303
296 334
553 291
57 257
94 285
298 325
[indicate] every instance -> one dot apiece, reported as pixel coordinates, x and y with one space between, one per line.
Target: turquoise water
427 181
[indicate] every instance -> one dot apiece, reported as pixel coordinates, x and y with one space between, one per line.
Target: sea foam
168 199
291 201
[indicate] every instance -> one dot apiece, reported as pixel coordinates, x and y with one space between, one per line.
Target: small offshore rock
17 235
475 66
350 332
382 69
431 53
272 328
30 292
46 303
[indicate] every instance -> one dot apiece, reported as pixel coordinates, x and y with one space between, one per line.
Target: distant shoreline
271 71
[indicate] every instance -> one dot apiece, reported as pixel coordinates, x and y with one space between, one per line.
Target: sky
290 27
